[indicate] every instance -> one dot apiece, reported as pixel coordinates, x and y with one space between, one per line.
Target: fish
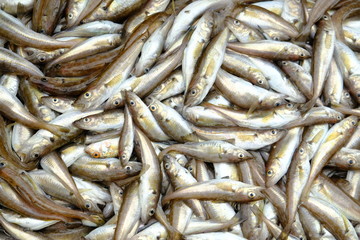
15 31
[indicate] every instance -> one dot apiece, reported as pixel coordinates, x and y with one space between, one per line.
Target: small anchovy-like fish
210 151
16 32
13 109
10 62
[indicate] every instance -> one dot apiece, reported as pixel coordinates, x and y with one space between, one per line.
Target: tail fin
285 232
56 129
307 106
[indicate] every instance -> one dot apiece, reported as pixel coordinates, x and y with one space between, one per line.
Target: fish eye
128 168
240 155
348 95
2 164
190 169
55 100
251 195
193 92
236 22
86 120
146 70
353 122
260 82
301 150
123 156
87 205
167 165
273 131
96 155
358 95
284 63
151 212
153 108
116 102
121 192
42 59
338 117
302 55
325 17
35 155
70 15
87 94
277 104
289 105
132 103
270 172
351 162
276 38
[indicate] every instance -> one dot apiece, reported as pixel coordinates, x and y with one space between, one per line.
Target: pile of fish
179 119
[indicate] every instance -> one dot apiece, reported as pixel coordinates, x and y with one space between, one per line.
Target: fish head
192 96
57 103
91 206
133 101
276 134
273 101
156 108
255 193
94 220
170 165
243 155
87 100
272 175
133 168
86 122
115 102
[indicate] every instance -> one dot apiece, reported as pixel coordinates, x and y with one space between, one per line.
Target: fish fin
263 33
231 140
21 10
285 232
252 108
304 34
307 106
258 213
56 129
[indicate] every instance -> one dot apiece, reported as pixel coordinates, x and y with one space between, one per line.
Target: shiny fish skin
16 32
150 181
210 151
11 62
198 41
173 124
12 108
270 49
208 68
246 95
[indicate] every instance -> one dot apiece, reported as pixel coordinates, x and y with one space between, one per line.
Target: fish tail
285 232
236 219
307 106
56 129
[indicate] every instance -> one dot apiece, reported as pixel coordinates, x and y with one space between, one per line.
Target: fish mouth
23 157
